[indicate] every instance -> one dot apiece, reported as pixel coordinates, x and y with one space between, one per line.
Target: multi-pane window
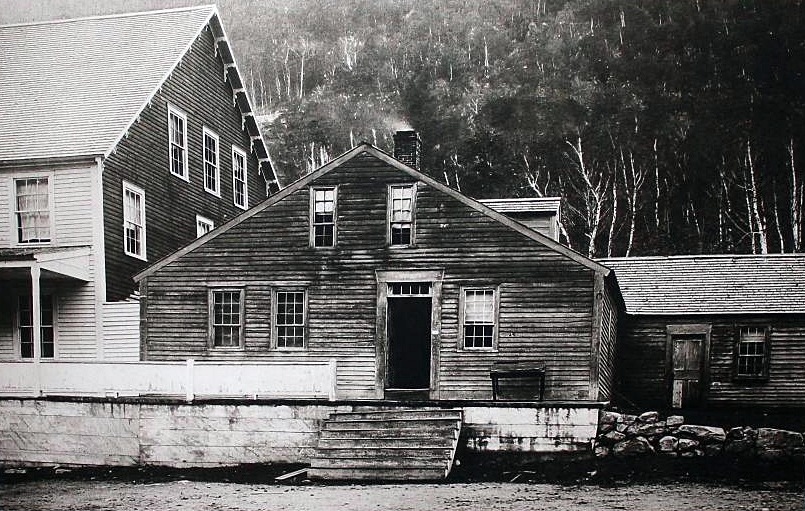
752 352
289 320
177 134
212 176
323 217
226 326
26 327
203 226
32 209
133 221
479 318
401 214
239 188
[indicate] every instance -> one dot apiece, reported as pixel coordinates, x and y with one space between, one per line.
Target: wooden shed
413 289
708 332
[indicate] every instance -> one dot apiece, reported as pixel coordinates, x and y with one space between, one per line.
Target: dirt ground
64 495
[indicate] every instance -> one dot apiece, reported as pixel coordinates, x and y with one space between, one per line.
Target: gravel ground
66 495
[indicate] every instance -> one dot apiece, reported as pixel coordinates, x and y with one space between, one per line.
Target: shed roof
711 284
73 87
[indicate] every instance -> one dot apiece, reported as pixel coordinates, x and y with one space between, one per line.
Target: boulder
668 443
649 417
686 444
632 447
612 437
702 433
713 450
688 454
606 427
656 428
627 419
738 446
622 427
772 439
601 451
674 421
610 417
771 454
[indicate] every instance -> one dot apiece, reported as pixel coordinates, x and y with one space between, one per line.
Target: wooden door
409 346
688 370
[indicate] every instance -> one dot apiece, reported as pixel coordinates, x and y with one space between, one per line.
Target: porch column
36 311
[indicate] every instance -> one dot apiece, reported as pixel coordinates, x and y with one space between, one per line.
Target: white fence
188 379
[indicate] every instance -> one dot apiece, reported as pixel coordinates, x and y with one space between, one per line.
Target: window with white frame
203 226
32 203
290 316
212 172
226 318
134 221
479 319
25 326
401 215
177 134
322 217
752 353
240 189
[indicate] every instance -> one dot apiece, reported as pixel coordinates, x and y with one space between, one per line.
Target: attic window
177 135
322 217
401 200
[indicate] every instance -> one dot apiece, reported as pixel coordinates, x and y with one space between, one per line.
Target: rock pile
623 435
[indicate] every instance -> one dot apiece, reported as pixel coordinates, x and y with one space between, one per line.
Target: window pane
239 179
290 320
479 318
210 163
324 217
401 214
133 222
752 352
32 210
227 318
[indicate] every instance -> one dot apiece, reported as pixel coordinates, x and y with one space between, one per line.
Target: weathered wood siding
608 346
546 299
72 227
643 373
171 204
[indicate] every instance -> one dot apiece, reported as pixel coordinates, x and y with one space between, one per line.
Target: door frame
434 277
671 331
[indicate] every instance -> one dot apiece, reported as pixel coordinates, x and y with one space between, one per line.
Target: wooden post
333 380
189 380
36 314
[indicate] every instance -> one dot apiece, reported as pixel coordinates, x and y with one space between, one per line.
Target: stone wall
623 436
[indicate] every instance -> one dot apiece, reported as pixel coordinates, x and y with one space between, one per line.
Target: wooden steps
387 445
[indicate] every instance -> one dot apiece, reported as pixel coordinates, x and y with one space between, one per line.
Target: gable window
203 226
290 315
177 134
752 353
226 318
134 221
322 217
240 189
478 315
25 327
212 175
32 209
401 214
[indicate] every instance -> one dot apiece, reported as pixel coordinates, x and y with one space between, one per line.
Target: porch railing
189 379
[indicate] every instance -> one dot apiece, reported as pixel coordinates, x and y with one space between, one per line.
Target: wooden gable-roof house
712 331
412 288
121 139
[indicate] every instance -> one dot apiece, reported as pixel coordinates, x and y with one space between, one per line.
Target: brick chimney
406 147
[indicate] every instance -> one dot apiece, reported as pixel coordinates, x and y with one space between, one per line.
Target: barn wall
546 299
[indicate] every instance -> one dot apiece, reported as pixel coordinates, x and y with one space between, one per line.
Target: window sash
290 318
177 135
212 176
479 318
32 209
401 214
323 216
226 321
240 190
25 326
751 358
133 221
203 225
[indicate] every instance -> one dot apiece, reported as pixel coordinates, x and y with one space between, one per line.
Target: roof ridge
210 7
702 256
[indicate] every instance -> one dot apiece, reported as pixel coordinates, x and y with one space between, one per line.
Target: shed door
688 366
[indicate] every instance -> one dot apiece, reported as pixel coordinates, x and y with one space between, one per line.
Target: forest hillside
672 126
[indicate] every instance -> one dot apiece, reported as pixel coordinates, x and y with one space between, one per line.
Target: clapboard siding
642 366
608 347
197 87
546 299
121 330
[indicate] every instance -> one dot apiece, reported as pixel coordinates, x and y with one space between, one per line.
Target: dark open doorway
409 343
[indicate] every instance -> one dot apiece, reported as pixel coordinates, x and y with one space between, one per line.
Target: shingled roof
711 284
72 88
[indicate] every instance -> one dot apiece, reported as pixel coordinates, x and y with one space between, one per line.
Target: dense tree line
673 126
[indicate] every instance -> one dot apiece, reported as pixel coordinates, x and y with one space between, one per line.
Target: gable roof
711 284
367 148
72 88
